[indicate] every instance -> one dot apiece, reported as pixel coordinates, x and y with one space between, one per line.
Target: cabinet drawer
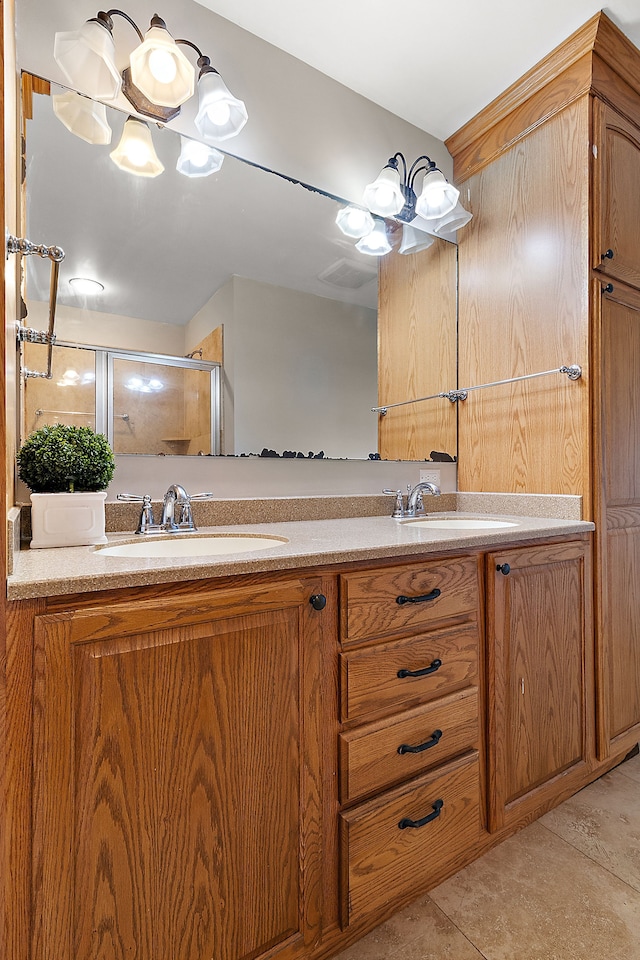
370 606
373 679
376 756
383 862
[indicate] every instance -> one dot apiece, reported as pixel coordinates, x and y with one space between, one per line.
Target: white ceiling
435 63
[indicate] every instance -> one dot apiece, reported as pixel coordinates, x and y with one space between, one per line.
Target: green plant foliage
65 459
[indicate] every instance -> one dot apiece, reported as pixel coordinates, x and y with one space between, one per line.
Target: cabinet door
540 674
618 528
177 787
616 251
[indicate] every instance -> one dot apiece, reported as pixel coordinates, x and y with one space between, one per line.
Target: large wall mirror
242 269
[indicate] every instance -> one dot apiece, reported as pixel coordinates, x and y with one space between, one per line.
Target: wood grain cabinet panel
406 839
371 607
375 756
617 248
618 537
177 796
397 673
541 674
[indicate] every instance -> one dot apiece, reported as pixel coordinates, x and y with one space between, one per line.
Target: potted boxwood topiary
67 469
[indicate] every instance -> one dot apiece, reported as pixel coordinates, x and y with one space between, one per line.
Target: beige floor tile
535 897
631 768
419 932
603 822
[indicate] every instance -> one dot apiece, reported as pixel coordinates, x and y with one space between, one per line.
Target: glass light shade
220 114
456 218
82 116
384 196
160 70
87 59
376 243
437 196
414 240
135 153
197 159
354 222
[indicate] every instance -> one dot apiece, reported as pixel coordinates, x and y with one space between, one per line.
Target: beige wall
300 372
78 325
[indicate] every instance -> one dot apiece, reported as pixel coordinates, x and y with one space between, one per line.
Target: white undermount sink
461 523
173 547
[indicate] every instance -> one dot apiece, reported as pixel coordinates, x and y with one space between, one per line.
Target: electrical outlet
430 476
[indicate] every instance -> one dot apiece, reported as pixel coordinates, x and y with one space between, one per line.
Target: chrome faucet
414 497
415 505
177 515
176 499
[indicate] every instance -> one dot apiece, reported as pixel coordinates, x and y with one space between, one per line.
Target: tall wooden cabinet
549 275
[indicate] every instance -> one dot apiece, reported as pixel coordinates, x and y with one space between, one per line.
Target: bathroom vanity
267 753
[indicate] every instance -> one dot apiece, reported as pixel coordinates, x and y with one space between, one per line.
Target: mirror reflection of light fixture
144 384
376 243
71 378
456 218
158 80
135 153
86 287
82 116
413 241
197 159
354 221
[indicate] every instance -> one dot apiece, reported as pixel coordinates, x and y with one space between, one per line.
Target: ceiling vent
345 273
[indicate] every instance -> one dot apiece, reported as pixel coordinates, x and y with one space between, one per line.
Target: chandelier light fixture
158 79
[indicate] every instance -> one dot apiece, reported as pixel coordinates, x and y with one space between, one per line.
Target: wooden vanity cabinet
410 746
540 705
178 800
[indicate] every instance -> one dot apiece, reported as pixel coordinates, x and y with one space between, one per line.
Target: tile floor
567 887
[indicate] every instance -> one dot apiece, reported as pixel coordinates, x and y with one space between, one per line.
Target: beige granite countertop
65 570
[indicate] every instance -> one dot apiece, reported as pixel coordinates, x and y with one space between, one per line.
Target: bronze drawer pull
437 807
423 598
431 742
433 666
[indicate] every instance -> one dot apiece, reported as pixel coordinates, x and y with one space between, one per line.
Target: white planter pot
67 519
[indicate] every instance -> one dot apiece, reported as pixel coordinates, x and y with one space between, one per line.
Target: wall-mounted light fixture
433 211
391 195
158 79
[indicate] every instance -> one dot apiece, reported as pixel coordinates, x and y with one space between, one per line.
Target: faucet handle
398 508
146 521
201 496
